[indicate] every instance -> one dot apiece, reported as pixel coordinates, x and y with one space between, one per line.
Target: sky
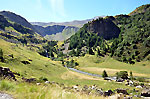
68 10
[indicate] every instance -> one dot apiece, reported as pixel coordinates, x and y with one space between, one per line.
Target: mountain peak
140 9
16 18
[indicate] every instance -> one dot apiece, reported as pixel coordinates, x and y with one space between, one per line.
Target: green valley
111 56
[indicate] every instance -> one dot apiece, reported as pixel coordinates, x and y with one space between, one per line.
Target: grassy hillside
97 65
40 66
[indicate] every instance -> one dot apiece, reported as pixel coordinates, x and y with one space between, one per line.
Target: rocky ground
5 96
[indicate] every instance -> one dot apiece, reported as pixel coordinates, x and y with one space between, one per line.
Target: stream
96 75
90 74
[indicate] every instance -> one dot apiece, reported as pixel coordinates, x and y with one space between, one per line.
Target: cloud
57 7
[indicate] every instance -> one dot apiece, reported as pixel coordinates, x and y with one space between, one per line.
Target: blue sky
68 10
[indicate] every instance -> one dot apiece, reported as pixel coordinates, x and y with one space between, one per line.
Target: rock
30 80
108 93
119 80
5 96
75 87
85 88
138 86
99 91
25 62
93 87
104 28
145 93
123 91
47 82
107 78
131 82
38 84
6 73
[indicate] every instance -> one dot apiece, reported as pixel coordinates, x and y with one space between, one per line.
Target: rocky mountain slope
129 36
43 31
16 18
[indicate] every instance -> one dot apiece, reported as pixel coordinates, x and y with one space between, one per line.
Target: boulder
145 93
30 80
108 93
119 80
6 73
25 62
123 91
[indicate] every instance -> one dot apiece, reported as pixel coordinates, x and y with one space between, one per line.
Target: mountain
93 31
104 28
133 44
76 23
140 9
129 36
67 32
43 31
16 33
49 30
16 18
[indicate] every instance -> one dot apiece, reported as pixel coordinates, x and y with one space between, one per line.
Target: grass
32 91
97 65
42 67
53 70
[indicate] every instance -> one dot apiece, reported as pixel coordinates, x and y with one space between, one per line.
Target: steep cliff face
49 30
104 28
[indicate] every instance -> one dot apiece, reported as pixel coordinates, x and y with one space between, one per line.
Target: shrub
43 79
141 79
122 74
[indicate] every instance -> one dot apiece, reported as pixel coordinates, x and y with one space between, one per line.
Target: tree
122 74
91 51
1 55
131 75
104 74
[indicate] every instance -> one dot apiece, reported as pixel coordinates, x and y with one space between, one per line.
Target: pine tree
91 51
1 54
131 75
104 74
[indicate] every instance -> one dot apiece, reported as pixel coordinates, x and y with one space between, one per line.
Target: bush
141 79
71 64
122 74
43 79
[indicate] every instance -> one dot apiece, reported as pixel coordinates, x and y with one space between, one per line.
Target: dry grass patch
75 75
110 72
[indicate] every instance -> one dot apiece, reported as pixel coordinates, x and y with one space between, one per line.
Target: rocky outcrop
104 28
6 73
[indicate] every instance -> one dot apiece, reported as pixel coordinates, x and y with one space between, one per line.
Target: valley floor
54 71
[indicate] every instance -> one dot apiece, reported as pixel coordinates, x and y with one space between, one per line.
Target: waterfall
46 53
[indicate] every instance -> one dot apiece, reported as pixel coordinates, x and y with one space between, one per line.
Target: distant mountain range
76 23
43 31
